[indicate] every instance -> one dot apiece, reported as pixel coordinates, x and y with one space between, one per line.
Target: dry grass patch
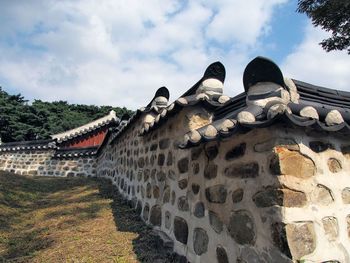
48 219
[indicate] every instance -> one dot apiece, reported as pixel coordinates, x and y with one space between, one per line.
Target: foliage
332 16
21 121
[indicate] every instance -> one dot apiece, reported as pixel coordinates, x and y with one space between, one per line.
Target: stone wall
43 163
316 214
275 194
270 195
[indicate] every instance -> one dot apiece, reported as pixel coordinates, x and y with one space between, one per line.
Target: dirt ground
50 219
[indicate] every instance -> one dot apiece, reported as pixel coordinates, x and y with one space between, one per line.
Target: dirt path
46 219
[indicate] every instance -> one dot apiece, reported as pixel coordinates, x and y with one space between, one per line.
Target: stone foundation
43 163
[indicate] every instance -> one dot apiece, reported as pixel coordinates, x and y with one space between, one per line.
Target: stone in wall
156 191
291 163
173 197
321 195
167 220
141 162
319 146
139 207
242 170
161 159
221 255
166 195
148 190
199 209
279 238
164 143
161 176
182 184
169 160
200 241
237 195
153 147
182 165
195 188
142 192
145 213
301 239
195 168
216 194
210 171
171 175
182 203
180 229
156 216
215 222
195 153
211 152
146 174
242 227
334 165
236 152
198 119
270 196
330 226
345 194
267 146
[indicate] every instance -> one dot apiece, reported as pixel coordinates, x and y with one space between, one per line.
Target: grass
48 219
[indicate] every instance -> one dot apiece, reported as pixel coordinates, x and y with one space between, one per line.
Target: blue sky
109 52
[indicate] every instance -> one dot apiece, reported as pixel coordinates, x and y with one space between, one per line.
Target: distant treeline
21 121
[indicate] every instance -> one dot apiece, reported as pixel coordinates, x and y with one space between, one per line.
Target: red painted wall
94 139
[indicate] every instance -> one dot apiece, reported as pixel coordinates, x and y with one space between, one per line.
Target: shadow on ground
148 247
28 205
51 219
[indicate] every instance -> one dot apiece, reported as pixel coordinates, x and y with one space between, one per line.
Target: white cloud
242 21
310 63
120 52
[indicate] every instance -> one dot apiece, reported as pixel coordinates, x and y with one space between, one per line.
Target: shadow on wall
148 246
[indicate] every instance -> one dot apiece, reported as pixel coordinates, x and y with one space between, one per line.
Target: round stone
155 191
200 241
237 195
195 188
156 216
166 195
334 165
216 194
180 229
241 227
167 219
215 222
199 210
182 203
221 255
210 171
145 212
182 184
183 165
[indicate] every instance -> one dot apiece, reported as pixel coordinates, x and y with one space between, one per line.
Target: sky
119 52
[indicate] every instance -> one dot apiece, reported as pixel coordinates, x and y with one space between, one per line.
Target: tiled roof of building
155 107
266 102
89 127
76 152
28 145
203 93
